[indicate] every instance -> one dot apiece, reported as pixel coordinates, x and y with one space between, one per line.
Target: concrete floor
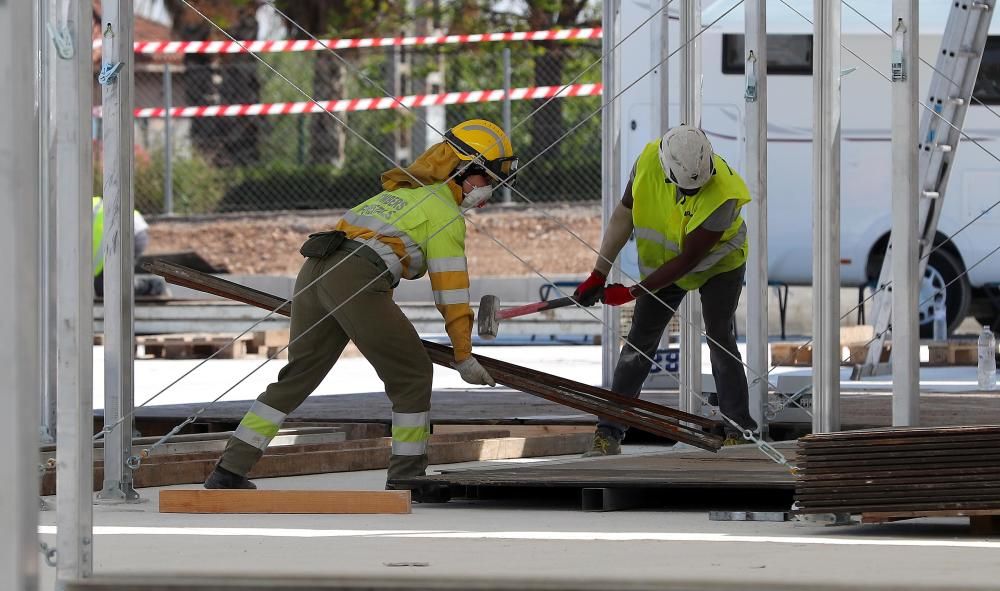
506 539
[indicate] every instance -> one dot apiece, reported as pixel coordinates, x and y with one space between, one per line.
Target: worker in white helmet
683 203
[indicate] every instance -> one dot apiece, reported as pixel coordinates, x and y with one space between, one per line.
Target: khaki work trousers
359 292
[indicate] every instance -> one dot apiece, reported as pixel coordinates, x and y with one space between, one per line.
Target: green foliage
198 186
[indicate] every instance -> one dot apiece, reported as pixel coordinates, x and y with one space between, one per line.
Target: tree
335 18
208 79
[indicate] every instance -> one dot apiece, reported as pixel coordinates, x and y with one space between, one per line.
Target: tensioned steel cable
931 110
545 212
305 94
747 433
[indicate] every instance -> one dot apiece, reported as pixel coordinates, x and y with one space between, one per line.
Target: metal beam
116 80
826 216
690 312
755 96
47 54
610 181
20 297
74 296
905 212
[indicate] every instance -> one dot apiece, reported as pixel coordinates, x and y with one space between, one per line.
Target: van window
786 54
988 83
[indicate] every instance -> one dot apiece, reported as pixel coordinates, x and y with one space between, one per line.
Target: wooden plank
347 456
516 430
885 517
985 525
285 501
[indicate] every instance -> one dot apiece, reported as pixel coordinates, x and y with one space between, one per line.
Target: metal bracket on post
750 95
63 40
109 74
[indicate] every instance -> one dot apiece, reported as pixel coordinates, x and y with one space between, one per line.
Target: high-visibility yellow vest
418 231
98 237
662 222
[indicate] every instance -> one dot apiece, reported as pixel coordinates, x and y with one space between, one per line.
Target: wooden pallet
984 522
953 353
194 346
800 354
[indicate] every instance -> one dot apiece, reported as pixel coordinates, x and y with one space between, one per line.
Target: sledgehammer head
489 324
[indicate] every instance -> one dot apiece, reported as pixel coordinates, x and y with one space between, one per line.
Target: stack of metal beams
898 470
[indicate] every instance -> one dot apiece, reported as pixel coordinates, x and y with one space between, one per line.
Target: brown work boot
604 445
220 478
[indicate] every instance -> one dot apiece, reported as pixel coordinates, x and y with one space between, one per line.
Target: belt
360 249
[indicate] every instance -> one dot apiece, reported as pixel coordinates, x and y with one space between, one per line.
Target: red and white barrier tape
294 45
372 104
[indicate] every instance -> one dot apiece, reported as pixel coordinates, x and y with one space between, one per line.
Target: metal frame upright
116 80
755 60
905 214
610 178
826 216
690 114
74 292
20 296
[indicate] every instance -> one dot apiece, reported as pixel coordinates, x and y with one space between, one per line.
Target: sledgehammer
490 313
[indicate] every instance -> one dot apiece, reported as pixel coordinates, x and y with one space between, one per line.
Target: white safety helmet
686 156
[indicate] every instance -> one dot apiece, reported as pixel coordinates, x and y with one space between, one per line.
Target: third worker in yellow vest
683 203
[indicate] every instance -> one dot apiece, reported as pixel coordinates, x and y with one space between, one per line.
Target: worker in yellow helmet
344 293
683 205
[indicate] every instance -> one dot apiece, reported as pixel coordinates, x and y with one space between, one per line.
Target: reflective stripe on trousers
259 425
410 432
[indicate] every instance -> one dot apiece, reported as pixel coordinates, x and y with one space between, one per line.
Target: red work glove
617 294
588 292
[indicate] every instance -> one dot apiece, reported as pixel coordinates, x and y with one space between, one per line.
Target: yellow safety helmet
485 144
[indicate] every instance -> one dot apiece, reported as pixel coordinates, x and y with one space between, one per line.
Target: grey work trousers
719 298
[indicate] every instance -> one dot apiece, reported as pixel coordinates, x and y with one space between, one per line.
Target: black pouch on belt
322 244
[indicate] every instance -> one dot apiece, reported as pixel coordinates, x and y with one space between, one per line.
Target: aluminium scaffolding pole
610 181
116 84
74 295
755 60
691 320
905 213
20 296
826 216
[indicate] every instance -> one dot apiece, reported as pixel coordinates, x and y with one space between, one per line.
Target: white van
974 185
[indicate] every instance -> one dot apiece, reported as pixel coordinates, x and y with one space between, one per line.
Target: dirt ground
268 245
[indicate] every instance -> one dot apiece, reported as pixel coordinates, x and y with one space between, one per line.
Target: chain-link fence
223 164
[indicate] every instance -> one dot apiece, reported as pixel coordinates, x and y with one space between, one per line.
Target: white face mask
477 197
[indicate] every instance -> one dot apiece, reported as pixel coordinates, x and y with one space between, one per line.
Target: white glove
473 373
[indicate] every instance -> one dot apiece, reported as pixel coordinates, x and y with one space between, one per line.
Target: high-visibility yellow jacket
662 221
417 231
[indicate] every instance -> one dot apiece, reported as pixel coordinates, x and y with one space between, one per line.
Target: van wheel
944 272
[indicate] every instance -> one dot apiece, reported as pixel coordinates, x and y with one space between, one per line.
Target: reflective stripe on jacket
418 231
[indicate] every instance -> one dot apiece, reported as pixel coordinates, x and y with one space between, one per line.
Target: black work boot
220 478
424 493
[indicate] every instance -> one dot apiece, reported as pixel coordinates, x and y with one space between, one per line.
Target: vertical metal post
74 298
905 211
826 217
755 96
691 320
47 228
116 31
168 142
20 297
664 30
506 108
610 183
